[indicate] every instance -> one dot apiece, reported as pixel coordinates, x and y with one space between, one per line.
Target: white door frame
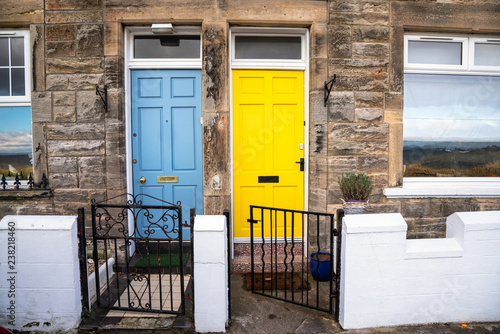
154 64
299 64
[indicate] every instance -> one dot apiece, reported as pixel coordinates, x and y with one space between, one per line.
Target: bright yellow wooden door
268 141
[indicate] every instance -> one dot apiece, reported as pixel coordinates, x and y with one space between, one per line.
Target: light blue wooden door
166 139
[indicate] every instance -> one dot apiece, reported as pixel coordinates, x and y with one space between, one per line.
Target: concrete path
253 313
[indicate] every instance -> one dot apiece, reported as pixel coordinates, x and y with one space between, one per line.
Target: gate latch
252 221
301 162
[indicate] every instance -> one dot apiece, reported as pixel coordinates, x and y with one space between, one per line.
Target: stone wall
78 44
362 131
76 144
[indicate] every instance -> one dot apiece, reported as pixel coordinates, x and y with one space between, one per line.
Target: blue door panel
184 147
151 157
183 87
167 139
150 87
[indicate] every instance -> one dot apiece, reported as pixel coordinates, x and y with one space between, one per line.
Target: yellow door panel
284 120
250 117
268 130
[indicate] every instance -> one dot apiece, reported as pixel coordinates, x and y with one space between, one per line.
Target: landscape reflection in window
15 142
451 125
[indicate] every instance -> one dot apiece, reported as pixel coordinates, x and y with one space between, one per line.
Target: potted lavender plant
355 188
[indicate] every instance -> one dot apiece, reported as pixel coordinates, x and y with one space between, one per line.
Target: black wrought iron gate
296 256
147 266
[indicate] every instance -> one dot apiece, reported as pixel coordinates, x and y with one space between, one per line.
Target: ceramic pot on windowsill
353 206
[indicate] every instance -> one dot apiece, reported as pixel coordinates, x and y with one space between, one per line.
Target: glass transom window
167 47
268 47
451 122
273 48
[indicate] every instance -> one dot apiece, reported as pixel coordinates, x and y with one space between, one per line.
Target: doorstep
136 321
271 254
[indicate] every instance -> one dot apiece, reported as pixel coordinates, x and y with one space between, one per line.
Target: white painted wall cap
374 223
433 248
39 222
209 223
478 220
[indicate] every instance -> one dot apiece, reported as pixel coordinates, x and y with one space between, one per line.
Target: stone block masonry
357 136
77 145
363 130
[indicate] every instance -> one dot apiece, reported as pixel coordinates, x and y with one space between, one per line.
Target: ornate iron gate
146 269
296 257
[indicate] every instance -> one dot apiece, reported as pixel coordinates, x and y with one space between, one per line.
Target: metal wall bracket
328 88
105 98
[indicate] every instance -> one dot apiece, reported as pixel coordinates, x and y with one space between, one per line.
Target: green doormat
164 260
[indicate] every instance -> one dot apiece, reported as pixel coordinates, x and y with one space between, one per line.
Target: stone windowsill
449 187
24 193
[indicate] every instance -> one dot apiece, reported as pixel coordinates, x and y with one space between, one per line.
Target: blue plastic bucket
320 266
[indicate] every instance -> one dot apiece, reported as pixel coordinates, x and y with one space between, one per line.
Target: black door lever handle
301 162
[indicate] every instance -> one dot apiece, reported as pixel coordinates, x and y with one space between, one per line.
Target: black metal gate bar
283 274
340 216
229 257
82 256
141 281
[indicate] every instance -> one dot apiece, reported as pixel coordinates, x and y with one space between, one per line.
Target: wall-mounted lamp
162 28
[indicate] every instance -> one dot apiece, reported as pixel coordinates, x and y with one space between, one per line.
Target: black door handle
301 162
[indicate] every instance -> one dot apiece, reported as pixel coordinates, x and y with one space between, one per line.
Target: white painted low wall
39 273
210 274
103 280
388 280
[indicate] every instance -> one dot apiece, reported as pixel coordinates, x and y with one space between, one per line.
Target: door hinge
201 120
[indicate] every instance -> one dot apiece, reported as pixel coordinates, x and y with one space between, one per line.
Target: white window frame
289 64
172 63
20 101
479 68
467 67
449 187
418 68
10 101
